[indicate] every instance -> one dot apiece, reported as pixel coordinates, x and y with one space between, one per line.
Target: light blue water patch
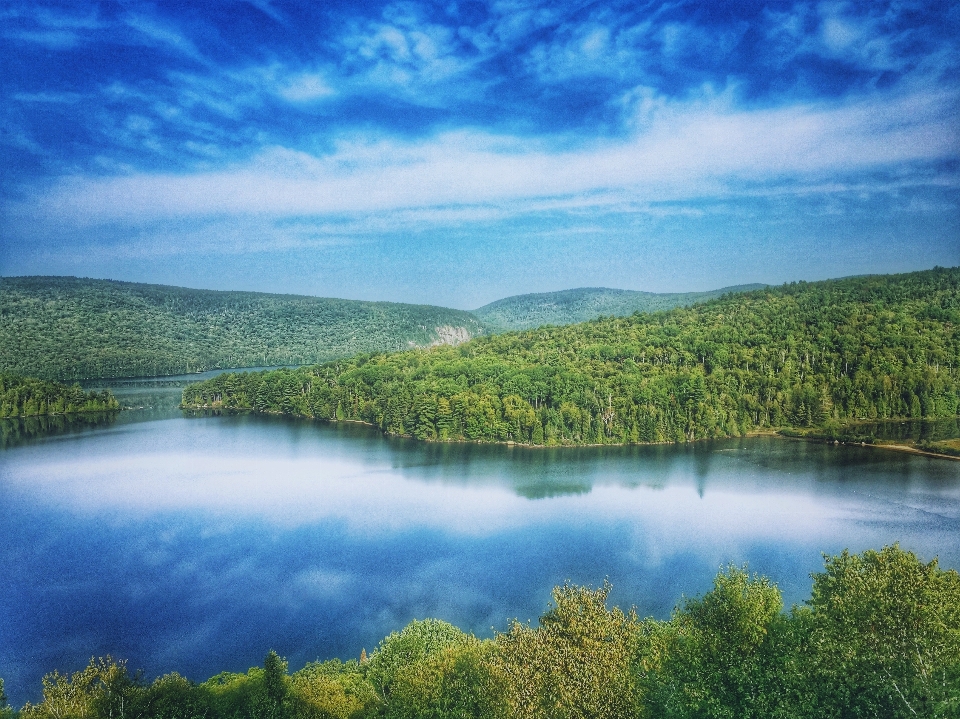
198 544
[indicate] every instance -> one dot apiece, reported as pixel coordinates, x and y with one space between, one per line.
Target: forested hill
523 312
804 354
67 328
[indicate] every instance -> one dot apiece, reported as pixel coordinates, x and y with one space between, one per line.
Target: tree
330 690
103 689
576 664
885 636
721 652
418 641
5 710
174 697
457 682
778 358
275 682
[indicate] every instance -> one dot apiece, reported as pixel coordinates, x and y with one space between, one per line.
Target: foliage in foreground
802 355
880 637
29 397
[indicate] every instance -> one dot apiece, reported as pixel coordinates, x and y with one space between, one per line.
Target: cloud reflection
299 475
196 545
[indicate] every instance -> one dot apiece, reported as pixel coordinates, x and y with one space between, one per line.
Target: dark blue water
197 544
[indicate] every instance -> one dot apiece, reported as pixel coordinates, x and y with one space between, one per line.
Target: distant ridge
566 307
68 328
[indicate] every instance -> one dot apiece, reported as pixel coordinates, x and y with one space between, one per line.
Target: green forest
804 355
29 397
524 312
66 328
879 637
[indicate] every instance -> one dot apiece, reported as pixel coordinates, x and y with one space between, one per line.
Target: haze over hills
69 328
522 312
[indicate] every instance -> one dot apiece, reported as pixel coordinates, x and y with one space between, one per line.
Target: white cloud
862 40
600 47
53 39
684 150
53 98
875 38
58 31
306 88
405 56
157 33
266 7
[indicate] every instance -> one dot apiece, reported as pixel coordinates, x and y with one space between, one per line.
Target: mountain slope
522 312
802 355
67 328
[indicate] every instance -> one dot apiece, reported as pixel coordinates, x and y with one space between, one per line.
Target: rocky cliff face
450 335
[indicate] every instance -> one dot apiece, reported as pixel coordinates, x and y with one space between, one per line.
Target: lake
197 544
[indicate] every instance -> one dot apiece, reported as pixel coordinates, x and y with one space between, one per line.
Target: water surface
197 544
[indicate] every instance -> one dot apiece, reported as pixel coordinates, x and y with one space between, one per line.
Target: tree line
30 397
879 637
809 355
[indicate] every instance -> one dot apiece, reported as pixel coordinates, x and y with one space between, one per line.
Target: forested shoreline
804 355
30 397
880 636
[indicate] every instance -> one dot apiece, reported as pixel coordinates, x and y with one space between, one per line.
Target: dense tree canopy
801 355
29 397
67 328
880 637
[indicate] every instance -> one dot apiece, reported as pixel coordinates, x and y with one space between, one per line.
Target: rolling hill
68 328
803 355
523 312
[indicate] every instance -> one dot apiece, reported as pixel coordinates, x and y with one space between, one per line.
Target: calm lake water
197 544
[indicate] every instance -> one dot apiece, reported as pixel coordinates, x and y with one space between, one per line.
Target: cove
196 544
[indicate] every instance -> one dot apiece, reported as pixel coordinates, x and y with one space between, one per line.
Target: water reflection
908 430
196 544
21 430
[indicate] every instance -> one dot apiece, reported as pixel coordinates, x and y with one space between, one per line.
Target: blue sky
458 152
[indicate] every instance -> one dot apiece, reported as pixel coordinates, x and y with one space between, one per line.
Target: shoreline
893 447
510 443
64 414
913 450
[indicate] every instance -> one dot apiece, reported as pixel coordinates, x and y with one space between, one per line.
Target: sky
455 153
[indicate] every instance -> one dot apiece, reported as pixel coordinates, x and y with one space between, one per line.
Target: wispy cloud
686 150
306 88
872 38
54 29
57 98
405 55
157 32
267 8
53 39
145 130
